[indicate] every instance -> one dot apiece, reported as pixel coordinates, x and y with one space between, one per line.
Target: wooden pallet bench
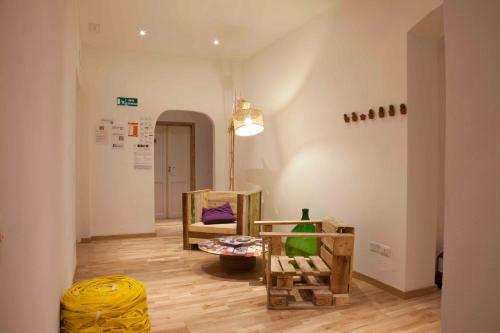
305 282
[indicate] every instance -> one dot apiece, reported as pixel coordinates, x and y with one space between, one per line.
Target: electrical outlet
381 249
375 247
386 251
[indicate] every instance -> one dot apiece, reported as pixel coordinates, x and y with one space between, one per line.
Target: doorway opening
183 159
426 150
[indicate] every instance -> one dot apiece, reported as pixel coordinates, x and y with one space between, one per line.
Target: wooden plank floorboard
188 293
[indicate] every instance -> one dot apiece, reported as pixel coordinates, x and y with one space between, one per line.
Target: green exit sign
127 101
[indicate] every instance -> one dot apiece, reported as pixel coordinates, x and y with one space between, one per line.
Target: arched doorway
183 159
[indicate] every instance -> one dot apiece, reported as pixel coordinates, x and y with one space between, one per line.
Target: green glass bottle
302 246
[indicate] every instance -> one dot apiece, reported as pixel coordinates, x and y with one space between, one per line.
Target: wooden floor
187 292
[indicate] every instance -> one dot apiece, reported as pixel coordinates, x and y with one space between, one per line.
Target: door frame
192 148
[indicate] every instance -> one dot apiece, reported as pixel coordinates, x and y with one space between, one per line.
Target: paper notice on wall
133 129
108 121
118 136
143 156
146 131
101 134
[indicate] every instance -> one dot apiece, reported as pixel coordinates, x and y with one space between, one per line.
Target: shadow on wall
268 177
274 84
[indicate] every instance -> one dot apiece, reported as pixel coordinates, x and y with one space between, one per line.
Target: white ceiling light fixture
142 33
216 42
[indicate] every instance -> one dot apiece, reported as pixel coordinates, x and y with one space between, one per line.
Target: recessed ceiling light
216 42
142 33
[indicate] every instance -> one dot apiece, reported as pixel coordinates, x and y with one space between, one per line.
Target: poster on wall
118 136
133 129
143 156
146 131
101 134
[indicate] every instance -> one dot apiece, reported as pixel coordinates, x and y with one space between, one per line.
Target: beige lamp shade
248 122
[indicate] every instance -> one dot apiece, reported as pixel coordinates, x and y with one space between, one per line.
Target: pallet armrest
250 192
305 234
199 191
287 222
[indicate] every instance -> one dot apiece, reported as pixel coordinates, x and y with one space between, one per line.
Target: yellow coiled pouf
115 303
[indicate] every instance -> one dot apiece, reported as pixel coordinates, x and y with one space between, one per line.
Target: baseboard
395 291
124 236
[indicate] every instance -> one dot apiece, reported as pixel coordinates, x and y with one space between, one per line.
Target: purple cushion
221 214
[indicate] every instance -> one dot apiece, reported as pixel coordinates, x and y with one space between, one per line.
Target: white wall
38 66
471 286
425 149
353 58
203 143
121 198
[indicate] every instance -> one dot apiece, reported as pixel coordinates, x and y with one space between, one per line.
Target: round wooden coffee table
234 255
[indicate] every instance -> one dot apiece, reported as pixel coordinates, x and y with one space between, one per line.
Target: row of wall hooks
371 113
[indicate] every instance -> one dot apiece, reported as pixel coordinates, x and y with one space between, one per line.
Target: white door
179 167
160 172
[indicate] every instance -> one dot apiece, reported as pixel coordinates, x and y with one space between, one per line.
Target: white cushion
223 228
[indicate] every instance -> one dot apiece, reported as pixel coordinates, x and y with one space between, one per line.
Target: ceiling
188 27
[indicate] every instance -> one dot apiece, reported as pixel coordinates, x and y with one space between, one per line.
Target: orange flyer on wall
133 129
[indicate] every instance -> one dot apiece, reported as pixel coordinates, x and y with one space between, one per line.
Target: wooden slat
266 228
333 225
311 280
278 292
275 265
289 222
197 191
223 228
322 297
339 283
206 235
285 264
240 199
328 242
319 229
197 205
303 305
311 287
185 220
301 273
305 234
303 264
330 225
343 246
264 242
216 199
267 262
284 282
255 200
326 256
312 283
319 263
276 246
341 299
277 298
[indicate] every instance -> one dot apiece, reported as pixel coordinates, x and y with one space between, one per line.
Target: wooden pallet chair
246 207
300 282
